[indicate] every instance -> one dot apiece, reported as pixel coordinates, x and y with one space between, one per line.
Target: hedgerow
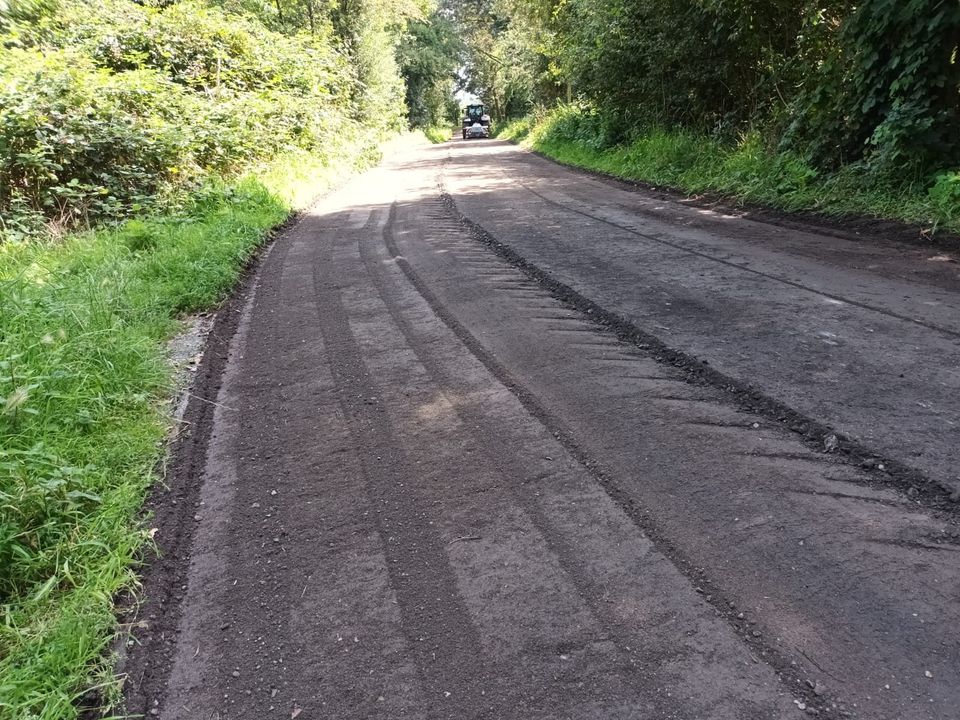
745 169
110 109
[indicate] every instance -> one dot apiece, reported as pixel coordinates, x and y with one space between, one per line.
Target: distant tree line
111 107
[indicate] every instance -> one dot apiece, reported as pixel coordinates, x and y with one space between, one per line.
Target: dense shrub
109 108
875 85
185 130
887 90
78 143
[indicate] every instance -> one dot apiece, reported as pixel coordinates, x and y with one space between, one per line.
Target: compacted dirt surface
484 437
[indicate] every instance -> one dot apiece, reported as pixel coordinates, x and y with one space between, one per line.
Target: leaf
44 589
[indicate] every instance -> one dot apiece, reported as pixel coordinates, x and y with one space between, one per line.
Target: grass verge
84 390
746 171
438 133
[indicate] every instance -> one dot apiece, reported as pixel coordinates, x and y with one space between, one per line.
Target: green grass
84 385
745 171
438 133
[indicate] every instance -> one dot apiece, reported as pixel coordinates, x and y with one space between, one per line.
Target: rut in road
434 490
735 500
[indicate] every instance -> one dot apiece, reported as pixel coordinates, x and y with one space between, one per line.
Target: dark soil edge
883 471
856 228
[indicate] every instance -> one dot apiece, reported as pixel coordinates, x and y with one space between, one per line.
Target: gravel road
485 437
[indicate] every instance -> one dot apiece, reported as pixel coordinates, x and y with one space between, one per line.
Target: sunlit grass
438 133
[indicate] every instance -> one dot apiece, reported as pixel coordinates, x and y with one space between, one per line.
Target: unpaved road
487 438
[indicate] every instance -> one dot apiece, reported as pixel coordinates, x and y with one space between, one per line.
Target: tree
429 55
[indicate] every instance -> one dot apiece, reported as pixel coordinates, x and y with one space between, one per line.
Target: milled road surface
488 438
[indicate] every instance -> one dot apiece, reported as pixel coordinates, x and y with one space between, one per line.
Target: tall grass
83 416
746 170
438 133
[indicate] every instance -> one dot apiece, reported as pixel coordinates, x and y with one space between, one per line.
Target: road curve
488 438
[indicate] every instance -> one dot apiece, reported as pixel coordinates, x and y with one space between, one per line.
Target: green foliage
889 89
108 108
437 133
945 196
428 55
71 150
206 122
875 84
506 58
370 31
745 169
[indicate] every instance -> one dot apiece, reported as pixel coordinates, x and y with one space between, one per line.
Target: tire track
558 504
616 478
433 612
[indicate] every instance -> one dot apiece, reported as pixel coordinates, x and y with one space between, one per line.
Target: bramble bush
109 109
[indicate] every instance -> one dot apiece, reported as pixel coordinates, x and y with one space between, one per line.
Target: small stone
236 673
830 443
927 673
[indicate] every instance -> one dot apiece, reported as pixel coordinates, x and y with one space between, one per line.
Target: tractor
476 122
